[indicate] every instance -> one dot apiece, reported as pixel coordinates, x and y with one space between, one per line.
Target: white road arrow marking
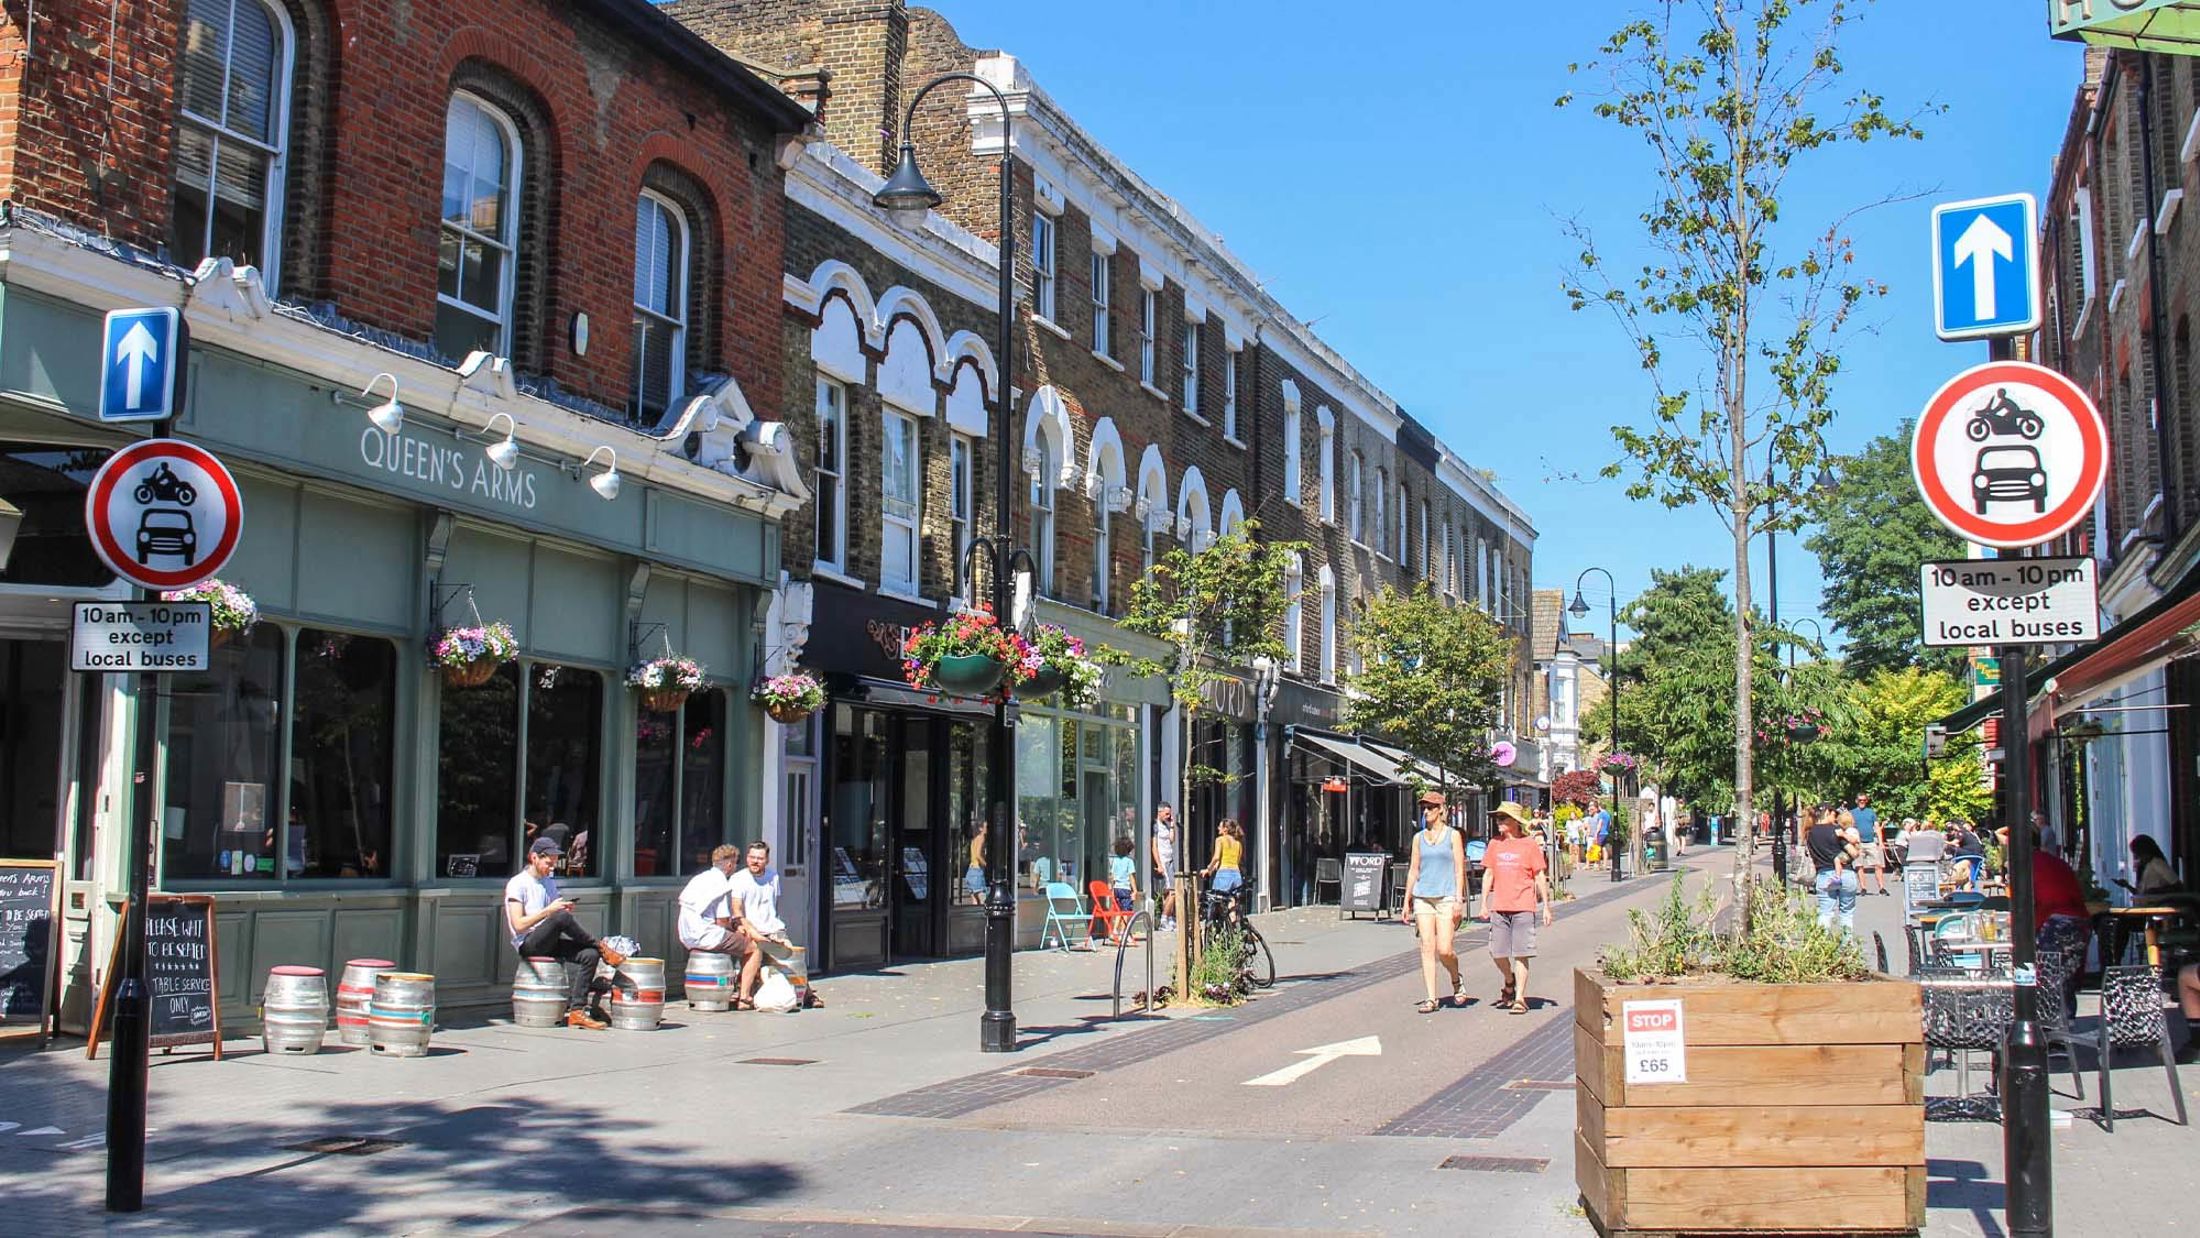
1979 245
43 1130
138 350
1316 1058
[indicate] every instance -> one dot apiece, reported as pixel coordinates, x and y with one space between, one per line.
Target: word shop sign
448 467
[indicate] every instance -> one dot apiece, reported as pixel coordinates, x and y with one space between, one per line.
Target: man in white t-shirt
755 890
542 926
1164 863
710 923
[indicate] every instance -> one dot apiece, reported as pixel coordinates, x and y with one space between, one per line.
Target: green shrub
1218 972
1776 939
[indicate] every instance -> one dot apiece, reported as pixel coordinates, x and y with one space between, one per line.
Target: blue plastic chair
1064 911
1961 927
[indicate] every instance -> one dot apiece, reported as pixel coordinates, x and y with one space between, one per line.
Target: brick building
480 296
1161 397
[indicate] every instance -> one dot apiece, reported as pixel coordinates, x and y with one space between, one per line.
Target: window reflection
222 755
341 744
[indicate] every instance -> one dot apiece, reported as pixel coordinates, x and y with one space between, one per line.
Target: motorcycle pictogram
164 485
2003 415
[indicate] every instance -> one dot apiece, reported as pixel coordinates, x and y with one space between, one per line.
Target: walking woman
1436 877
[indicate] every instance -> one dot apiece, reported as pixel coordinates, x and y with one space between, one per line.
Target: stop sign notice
2010 454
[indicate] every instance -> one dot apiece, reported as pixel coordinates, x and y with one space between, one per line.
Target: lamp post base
997 1031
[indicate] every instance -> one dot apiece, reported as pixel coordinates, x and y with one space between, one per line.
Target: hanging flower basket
1045 682
665 683
1617 764
970 654
469 656
233 610
1058 664
790 698
1803 732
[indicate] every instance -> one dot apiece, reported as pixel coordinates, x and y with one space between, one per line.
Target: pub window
552 716
234 83
959 507
679 786
224 752
1041 540
830 501
342 753
47 484
481 170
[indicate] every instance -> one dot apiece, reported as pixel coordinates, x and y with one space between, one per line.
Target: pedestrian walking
1873 861
1436 876
1833 850
1515 889
1164 865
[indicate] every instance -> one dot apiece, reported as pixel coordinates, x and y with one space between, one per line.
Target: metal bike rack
1123 941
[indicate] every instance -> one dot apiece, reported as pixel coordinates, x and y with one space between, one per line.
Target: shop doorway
33 781
918 868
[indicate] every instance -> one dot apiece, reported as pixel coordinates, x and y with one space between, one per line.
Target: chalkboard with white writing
26 944
1363 882
183 982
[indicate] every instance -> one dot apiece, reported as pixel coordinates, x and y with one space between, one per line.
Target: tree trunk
1738 355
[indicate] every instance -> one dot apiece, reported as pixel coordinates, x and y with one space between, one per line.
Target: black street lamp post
1823 484
1580 610
905 193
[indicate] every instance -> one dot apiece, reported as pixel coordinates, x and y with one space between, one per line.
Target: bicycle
1227 910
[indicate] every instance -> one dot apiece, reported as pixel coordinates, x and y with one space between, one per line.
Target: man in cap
1515 885
543 926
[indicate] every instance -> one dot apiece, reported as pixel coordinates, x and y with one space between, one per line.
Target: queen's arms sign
2143 25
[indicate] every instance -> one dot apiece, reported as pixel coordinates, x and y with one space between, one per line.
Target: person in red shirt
1515 885
2055 888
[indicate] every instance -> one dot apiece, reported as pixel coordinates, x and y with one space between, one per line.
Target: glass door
856 834
919 883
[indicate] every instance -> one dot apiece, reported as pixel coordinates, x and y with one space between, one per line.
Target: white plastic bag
775 994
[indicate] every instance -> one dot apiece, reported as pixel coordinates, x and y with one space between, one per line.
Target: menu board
26 944
181 975
1363 882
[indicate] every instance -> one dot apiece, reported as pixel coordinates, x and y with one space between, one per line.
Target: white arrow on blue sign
139 356
1985 268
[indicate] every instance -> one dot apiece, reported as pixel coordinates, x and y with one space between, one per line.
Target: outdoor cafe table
2152 917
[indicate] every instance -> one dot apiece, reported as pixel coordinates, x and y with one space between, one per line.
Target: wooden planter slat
1803 1111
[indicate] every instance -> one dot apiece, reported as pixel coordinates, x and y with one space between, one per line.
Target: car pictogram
2009 474
166 531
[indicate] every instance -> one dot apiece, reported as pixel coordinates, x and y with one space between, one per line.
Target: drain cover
1498 1164
344 1145
1054 1072
778 1061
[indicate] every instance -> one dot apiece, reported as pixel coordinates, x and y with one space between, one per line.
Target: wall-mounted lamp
606 483
503 454
389 414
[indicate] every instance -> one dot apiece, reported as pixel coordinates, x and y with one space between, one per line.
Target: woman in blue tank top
1435 878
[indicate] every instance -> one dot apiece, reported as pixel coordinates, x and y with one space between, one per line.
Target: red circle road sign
2010 454
163 513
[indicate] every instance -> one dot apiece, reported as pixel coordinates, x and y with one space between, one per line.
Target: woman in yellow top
1225 872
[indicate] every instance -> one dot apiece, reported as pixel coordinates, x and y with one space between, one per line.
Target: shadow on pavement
1966 1186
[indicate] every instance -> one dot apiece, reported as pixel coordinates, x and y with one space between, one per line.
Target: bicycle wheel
1260 962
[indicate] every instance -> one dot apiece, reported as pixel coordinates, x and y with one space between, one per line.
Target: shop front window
564 762
482 781
224 751
679 786
861 769
477 777
342 745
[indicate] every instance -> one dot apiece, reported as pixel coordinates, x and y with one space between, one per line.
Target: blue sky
1401 181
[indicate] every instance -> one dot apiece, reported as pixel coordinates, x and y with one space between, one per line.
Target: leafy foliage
1776 939
1873 531
1579 787
1219 974
1432 676
1737 320
1874 743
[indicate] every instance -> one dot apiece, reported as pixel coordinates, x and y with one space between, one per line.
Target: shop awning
1408 762
1374 764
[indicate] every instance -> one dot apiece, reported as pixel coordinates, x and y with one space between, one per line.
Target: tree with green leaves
1432 679
1737 316
1873 531
1874 744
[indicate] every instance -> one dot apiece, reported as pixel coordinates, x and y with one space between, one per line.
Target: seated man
543 926
756 890
710 921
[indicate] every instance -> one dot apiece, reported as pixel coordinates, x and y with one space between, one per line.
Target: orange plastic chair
1108 920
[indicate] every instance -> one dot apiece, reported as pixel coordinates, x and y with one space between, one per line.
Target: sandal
1459 996
1427 1006
743 1003
1505 998
1518 1007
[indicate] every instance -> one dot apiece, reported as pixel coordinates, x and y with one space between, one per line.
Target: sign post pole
130 1058
2026 1162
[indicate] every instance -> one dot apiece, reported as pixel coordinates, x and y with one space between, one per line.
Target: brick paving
1483 1103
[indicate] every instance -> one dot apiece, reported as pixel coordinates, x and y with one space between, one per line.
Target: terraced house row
578 317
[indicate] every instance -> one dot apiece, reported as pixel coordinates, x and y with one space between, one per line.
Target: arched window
661 250
1294 613
1328 584
1041 541
232 134
481 171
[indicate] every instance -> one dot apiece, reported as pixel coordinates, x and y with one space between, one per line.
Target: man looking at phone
543 926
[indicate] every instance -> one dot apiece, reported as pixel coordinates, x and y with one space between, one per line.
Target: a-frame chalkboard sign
180 969
30 917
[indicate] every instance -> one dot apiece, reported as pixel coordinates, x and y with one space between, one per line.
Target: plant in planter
791 697
666 682
970 654
234 611
1058 664
469 656
1771 1006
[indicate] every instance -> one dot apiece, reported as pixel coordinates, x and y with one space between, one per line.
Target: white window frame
515 164
1405 526
834 392
1042 264
677 299
962 510
1326 423
902 529
1103 280
1229 396
1356 498
1294 612
1381 512
1450 566
1293 428
1148 309
271 239
1329 628
1103 551
1428 572
1189 359
1043 522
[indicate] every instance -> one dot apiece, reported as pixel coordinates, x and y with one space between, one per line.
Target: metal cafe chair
2131 1016
1965 1015
1328 872
2059 960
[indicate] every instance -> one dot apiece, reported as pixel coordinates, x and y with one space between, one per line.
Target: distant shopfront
334 794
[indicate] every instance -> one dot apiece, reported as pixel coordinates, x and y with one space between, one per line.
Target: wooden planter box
1803 1111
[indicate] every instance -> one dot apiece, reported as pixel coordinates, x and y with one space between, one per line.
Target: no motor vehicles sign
2010 454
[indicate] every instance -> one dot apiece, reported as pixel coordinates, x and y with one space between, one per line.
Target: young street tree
1873 531
1738 320
1431 679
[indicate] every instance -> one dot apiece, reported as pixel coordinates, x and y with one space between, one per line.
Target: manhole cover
344 1145
778 1061
1498 1164
1054 1072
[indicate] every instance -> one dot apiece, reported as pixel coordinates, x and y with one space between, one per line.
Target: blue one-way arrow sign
140 354
1985 269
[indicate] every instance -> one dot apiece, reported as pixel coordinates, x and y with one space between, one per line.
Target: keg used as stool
354 992
710 980
538 992
638 995
294 1010
791 962
401 1014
